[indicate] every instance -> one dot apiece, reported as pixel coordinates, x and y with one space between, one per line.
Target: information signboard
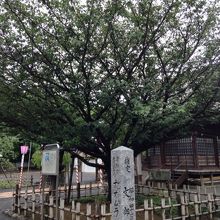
50 159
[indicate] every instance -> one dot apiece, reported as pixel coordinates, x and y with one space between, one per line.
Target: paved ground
5 203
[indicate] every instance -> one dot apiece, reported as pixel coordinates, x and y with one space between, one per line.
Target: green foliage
156 199
5 184
140 199
36 159
7 165
9 149
8 145
66 159
93 199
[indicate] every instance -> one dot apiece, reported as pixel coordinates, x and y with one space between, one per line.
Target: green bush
93 199
36 159
7 165
4 184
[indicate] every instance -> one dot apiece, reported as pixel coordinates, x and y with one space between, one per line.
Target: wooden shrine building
191 153
191 157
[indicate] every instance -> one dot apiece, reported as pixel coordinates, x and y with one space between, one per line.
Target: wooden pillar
215 145
138 161
194 150
78 190
146 212
51 203
88 211
77 211
16 198
62 201
73 210
103 211
162 155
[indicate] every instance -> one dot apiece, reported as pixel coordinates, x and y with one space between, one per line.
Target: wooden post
202 180
146 212
163 210
90 188
103 211
25 202
85 190
215 200
41 206
78 190
214 190
183 208
211 177
73 210
152 209
19 201
65 190
62 201
16 198
187 204
97 212
178 200
170 185
170 206
98 189
184 189
42 198
96 172
188 191
77 211
196 207
199 201
51 207
88 211
33 202
210 206
158 185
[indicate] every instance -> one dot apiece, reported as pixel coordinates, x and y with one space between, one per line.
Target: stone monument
122 186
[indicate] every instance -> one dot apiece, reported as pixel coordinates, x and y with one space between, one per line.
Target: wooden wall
193 152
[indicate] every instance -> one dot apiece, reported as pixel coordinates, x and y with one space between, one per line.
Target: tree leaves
99 74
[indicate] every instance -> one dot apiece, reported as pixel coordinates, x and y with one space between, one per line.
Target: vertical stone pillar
123 188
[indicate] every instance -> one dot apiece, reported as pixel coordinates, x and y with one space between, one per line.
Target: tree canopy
9 150
97 74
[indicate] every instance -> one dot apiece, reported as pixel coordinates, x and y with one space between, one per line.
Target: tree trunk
70 180
108 170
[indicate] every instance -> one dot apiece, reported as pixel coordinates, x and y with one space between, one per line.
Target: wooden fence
173 204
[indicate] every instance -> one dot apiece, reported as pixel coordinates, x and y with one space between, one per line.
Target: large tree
97 74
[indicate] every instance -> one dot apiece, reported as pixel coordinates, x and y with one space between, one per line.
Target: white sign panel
50 160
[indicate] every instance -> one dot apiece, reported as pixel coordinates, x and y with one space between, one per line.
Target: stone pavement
6 201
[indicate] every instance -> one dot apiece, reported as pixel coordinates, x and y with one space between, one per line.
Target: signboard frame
51 151
50 160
